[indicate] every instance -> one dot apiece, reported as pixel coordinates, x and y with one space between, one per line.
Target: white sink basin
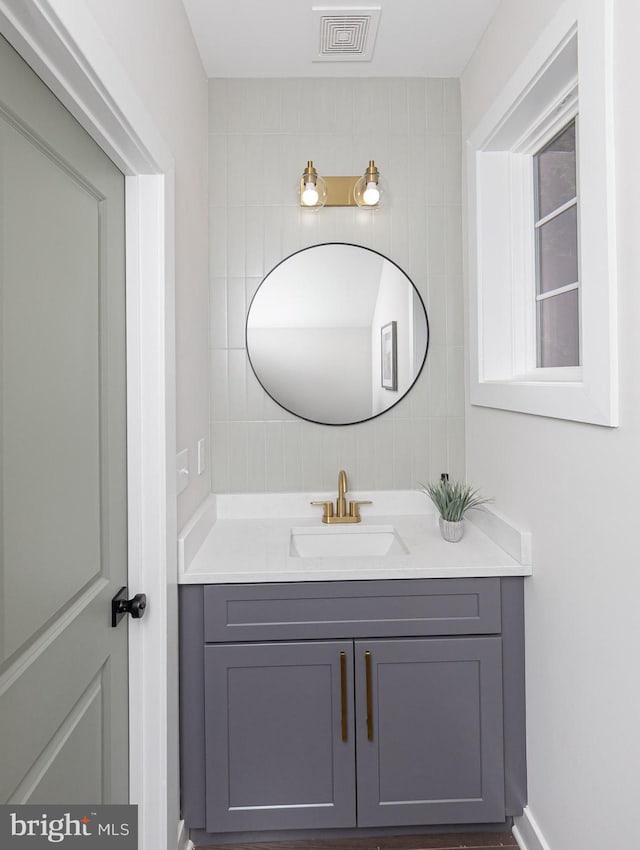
346 542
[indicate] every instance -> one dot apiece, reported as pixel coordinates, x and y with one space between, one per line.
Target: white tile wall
262 132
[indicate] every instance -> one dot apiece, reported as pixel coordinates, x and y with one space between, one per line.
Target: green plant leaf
454 500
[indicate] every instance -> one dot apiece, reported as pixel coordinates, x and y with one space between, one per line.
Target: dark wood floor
468 841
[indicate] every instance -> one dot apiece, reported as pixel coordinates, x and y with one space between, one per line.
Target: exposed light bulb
310 195
371 194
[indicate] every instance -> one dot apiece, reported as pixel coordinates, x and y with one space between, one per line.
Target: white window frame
563 116
538 224
540 99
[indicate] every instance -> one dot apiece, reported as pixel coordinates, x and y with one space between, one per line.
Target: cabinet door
429 731
278 753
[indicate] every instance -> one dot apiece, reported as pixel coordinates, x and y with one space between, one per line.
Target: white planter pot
452 532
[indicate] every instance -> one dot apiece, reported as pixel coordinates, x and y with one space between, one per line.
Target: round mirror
337 334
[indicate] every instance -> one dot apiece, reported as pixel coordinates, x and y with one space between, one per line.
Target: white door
63 668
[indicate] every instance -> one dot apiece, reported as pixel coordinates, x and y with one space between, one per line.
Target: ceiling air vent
345 33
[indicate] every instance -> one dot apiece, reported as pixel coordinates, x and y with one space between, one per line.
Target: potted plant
452 501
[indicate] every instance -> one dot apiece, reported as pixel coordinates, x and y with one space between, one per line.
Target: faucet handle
354 508
328 509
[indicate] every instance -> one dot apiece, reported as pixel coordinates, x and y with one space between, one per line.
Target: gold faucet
341 514
341 503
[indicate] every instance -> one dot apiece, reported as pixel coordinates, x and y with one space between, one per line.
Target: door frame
65 47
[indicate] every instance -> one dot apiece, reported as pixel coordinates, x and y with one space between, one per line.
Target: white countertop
246 538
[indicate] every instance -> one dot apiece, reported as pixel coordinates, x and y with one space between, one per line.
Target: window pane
558 335
556 170
558 251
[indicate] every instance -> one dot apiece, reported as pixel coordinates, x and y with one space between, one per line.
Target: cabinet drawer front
344 609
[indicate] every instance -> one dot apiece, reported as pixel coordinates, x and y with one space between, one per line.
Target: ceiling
276 38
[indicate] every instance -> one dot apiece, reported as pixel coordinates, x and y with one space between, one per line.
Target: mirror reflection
337 334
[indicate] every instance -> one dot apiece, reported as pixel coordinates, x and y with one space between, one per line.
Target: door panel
63 683
275 753
435 753
50 361
55 776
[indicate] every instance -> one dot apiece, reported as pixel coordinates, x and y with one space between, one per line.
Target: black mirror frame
358 421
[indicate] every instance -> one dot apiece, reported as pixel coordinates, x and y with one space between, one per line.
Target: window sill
550 375
558 399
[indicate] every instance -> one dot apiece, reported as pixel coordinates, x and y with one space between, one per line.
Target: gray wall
575 486
262 132
174 93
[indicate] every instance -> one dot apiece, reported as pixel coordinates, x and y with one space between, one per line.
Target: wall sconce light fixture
313 189
365 192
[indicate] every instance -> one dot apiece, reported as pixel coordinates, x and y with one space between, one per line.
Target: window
556 240
541 214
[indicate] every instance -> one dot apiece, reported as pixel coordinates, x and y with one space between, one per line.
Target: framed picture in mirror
388 361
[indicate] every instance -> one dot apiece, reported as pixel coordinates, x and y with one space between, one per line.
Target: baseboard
184 843
527 832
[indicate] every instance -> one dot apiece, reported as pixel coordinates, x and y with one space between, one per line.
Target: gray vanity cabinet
327 705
